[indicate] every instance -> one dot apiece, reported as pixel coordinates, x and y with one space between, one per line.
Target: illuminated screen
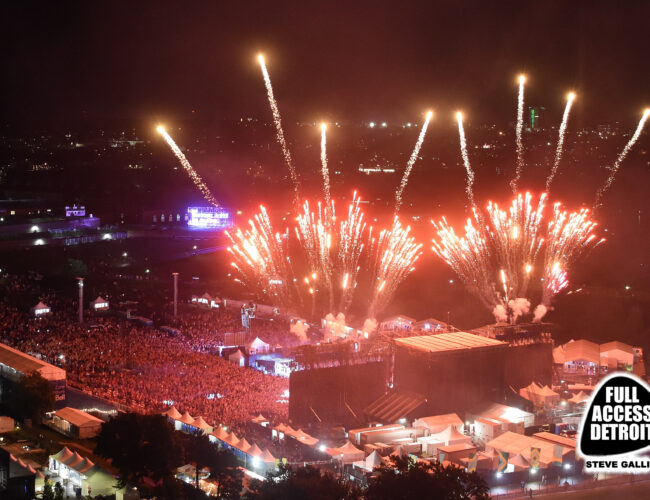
208 218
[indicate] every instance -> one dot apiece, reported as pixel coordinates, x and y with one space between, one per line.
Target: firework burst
498 260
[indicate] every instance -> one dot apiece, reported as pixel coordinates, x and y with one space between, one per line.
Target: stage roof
453 341
25 364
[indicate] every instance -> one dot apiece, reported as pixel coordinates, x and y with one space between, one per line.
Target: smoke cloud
519 307
335 324
369 326
299 329
539 313
500 313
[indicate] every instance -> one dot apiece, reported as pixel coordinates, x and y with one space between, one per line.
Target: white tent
173 413
373 460
99 304
581 397
438 423
348 453
532 392
450 436
257 346
40 309
238 358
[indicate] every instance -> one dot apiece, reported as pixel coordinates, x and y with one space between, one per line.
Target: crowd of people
145 368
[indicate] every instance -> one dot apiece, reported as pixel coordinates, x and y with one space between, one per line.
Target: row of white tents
251 453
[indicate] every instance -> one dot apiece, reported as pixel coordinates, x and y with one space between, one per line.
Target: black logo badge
617 421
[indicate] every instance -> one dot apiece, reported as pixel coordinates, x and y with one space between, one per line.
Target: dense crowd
145 368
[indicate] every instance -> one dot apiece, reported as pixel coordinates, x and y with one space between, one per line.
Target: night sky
130 62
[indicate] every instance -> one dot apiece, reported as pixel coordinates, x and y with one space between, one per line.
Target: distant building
15 364
75 423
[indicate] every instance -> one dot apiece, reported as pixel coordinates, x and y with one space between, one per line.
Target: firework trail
333 250
497 263
278 128
323 161
411 162
519 130
392 256
560 140
196 178
619 160
463 151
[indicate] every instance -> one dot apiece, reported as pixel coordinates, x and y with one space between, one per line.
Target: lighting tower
81 299
175 275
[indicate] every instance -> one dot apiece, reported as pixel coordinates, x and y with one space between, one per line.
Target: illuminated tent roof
259 419
548 392
220 433
186 418
581 397
99 300
449 436
243 445
254 451
173 413
438 423
199 423
346 453
373 460
266 457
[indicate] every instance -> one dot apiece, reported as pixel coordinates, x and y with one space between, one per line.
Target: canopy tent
257 346
301 436
173 413
531 392
266 457
373 460
581 397
40 309
348 453
260 419
438 423
202 425
99 304
449 436
254 451
237 358
186 418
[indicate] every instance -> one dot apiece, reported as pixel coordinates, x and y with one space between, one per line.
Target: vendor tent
347 453
40 309
99 304
373 460
581 397
173 413
266 457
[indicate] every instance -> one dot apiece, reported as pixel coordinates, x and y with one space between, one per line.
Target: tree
48 492
140 446
30 397
222 464
404 479
304 482
58 491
